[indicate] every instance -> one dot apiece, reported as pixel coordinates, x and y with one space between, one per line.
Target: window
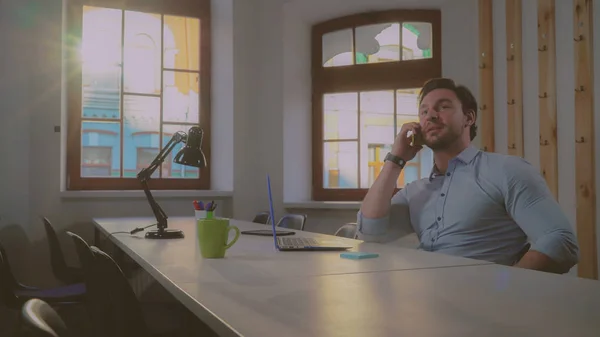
367 70
137 74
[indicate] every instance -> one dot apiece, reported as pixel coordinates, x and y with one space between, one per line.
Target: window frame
189 8
364 77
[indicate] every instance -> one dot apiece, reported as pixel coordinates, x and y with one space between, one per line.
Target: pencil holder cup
201 214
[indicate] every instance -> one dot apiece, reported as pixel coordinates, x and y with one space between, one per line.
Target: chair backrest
347 231
57 258
97 301
40 320
127 312
292 221
262 218
8 282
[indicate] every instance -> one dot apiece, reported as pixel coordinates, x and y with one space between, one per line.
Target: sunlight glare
100 47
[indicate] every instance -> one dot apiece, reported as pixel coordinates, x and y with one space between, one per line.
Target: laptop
298 243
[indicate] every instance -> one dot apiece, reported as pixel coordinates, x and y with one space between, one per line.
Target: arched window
367 70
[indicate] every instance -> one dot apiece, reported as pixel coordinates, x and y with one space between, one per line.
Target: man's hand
402 147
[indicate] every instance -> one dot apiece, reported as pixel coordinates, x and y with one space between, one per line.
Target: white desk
254 258
474 301
258 291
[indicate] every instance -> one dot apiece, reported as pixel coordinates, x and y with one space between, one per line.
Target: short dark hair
463 94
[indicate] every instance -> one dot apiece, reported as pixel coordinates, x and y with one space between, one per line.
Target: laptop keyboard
297 242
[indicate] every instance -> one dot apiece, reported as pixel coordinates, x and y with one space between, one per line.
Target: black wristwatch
394 159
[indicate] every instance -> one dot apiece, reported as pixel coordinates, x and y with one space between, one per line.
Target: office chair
347 231
14 294
113 305
39 319
262 218
60 269
293 221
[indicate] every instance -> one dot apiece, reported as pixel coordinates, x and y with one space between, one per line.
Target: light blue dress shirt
486 206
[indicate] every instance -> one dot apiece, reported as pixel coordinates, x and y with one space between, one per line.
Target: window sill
348 205
140 194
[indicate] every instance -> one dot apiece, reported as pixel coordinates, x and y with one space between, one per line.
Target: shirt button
443 194
439 218
448 174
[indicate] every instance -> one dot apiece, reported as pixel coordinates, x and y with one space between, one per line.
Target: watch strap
395 159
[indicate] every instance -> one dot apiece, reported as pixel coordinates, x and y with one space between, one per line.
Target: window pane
416 41
141 129
340 161
376 155
407 107
181 43
100 149
410 173
101 62
378 43
340 116
337 48
145 156
181 97
426 160
142 66
377 127
169 168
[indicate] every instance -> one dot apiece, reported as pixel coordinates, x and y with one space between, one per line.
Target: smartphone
416 138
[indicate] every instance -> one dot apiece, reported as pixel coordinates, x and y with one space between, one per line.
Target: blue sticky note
358 255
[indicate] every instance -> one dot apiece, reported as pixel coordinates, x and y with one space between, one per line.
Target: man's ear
470 118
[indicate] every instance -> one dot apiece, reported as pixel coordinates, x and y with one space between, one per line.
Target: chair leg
18 325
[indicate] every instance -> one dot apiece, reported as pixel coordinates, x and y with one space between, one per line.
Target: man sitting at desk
475 204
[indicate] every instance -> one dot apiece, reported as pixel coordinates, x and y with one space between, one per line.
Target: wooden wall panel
547 94
514 77
584 139
486 76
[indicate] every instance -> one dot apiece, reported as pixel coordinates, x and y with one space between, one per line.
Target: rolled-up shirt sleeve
533 207
390 227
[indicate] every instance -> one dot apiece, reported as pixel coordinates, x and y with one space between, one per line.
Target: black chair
113 305
96 302
39 319
262 218
14 294
293 221
60 269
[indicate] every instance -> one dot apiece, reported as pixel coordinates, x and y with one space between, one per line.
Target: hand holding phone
408 142
416 138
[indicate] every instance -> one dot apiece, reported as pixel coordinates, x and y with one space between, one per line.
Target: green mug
213 235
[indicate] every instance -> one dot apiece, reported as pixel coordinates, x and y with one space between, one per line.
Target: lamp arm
145 174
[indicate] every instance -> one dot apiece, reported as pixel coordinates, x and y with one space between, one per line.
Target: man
475 204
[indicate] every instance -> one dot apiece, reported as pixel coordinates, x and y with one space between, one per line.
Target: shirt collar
466 156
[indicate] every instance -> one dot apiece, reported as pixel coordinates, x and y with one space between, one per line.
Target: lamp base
164 234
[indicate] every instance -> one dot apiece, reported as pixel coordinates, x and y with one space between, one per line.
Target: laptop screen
272 212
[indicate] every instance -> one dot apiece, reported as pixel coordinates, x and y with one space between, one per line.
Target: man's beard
444 141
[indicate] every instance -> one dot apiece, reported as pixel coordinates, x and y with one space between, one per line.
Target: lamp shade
191 154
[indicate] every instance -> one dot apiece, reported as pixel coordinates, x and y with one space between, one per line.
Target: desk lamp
190 155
